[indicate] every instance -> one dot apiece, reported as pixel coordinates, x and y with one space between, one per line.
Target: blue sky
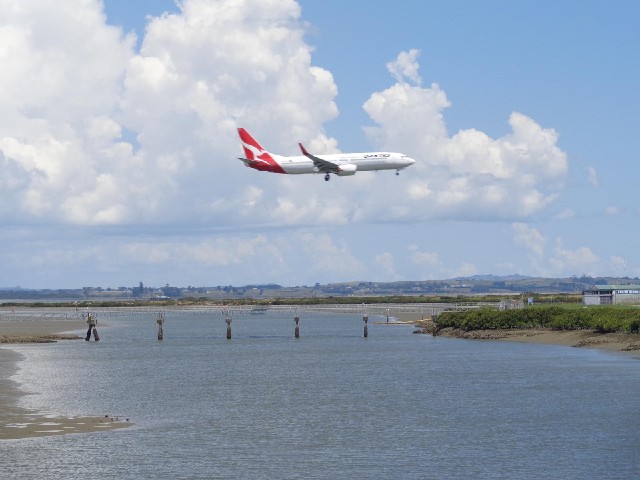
118 146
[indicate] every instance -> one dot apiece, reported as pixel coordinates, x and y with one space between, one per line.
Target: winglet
303 150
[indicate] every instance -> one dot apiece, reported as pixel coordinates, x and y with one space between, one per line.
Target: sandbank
628 343
38 330
17 422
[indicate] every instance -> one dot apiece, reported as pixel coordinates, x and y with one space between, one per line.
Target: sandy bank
16 422
613 342
38 330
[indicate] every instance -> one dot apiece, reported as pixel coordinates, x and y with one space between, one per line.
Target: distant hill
473 285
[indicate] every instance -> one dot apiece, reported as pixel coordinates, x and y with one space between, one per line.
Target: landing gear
326 177
397 172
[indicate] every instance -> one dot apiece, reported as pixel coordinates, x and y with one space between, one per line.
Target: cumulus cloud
431 259
406 67
73 88
75 95
581 259
218 252
329 255
560 260
95 133
60 86
469 174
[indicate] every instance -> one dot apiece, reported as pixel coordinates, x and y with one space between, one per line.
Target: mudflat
17 422
38 330
612 342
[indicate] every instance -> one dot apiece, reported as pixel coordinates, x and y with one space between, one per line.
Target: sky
118 140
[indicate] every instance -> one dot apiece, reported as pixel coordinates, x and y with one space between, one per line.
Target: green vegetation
381 299
603 319
324 300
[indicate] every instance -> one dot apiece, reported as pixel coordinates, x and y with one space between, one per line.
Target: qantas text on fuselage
341 164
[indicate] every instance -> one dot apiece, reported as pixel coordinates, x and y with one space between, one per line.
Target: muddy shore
612 342
17 422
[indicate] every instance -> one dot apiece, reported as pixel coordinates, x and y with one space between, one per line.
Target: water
329 405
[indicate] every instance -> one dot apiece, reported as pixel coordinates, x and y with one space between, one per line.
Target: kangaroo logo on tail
256 156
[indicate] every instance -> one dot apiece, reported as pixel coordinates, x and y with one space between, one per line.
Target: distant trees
171 292
138 291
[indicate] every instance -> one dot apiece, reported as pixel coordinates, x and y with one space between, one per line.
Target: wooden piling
160 322
228 320
297 330
365 319
92 322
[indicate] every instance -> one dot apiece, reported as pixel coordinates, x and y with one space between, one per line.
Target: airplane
341 164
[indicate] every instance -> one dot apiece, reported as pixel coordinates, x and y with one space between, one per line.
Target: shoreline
17 422
624 343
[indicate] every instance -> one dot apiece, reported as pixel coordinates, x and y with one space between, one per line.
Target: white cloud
386 262
612 210
93 133
59 88
217 252
127 258
199 74
565 214
619 264
529 238
466 270
592 177
469 174
406 67
559 260
328 255
433 267
431 259
73 84
581 259
428 263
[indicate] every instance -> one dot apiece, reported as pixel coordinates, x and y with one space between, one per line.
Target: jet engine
346 170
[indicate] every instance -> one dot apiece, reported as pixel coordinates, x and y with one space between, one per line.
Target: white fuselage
363 161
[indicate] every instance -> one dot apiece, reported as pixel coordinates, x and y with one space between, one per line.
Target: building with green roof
612 295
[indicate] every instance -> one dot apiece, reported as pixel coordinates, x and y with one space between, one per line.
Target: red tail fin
252 149
257 156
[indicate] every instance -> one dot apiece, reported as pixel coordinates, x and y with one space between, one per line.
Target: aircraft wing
324 166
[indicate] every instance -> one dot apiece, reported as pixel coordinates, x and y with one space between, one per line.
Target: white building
612 295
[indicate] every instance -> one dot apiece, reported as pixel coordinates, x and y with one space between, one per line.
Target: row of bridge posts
91 320
296 332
